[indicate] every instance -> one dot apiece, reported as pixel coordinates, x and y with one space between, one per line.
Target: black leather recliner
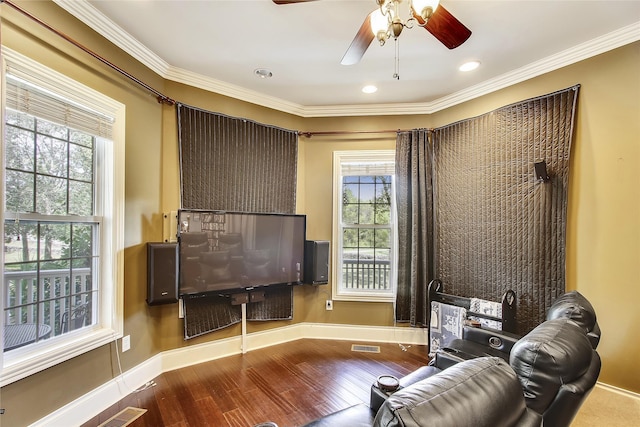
555 363
557 368
481 392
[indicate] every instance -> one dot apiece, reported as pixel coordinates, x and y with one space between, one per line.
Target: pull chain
396 74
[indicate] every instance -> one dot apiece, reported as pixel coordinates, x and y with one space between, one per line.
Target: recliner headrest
572 305
556 352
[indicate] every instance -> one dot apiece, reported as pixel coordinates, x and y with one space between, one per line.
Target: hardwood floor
289 384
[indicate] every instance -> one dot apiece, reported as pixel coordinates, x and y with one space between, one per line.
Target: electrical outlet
329 305
126 343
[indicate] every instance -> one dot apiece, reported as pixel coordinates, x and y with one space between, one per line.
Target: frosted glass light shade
379 22
420 5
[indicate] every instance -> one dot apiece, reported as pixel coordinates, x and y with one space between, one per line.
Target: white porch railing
43 297
366 274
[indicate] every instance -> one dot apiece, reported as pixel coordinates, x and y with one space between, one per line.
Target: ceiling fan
385 22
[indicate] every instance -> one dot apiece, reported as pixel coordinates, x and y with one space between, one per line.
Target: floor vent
365 348
124 417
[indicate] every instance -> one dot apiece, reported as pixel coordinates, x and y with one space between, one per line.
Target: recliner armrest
447 357
377 396
570 396
499 340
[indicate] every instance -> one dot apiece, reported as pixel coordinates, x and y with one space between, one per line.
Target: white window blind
27 98
365 167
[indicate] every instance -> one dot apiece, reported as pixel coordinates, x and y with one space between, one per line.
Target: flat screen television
227 252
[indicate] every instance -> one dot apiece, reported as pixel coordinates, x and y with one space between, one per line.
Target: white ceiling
217 45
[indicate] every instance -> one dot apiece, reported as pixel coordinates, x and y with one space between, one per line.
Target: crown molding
597 46
233 91
98 22
86 13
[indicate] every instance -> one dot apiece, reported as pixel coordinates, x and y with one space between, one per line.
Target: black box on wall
316 262
162 273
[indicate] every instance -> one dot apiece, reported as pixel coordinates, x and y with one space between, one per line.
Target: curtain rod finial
163 99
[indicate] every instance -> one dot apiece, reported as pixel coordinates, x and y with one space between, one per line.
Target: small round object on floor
267 424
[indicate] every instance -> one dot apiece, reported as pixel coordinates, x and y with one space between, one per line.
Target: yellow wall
603 244
63 383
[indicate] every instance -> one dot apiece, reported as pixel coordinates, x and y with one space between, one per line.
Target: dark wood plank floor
289 384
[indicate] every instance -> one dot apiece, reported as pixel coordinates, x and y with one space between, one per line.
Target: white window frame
22 362
338 292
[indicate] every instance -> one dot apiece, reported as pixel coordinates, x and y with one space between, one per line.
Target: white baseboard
86 407
613 389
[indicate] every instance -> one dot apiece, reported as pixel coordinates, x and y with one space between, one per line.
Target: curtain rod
353 132
347 132
163 99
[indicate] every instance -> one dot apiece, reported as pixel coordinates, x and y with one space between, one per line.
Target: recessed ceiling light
469 66
263 73
369 89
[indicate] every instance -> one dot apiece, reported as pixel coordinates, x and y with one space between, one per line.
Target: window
62 218
364 225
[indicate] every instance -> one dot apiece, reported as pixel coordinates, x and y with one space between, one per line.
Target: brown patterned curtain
234 164
497 226
415 226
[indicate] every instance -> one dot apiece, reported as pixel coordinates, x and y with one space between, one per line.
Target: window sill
364 297
23 362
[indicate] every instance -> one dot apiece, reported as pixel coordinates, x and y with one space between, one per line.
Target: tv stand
243 298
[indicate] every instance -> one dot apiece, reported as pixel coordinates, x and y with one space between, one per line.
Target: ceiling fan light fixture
469 66
386 21
379 25
424 8
396 27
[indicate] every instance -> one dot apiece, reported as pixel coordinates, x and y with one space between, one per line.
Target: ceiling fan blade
446 28
360 43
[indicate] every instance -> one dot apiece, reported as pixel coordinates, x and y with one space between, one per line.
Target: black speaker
162 273
316 262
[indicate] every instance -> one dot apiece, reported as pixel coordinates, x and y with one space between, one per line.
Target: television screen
225 252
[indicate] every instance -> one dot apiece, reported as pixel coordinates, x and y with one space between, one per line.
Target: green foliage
49 170
366 232
366 205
